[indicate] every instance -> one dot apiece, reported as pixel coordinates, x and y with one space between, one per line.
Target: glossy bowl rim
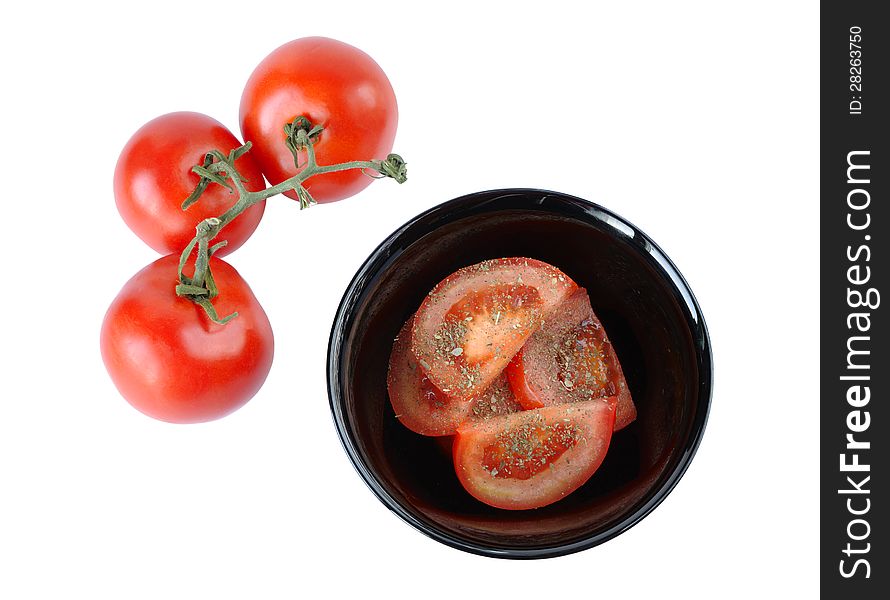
608 219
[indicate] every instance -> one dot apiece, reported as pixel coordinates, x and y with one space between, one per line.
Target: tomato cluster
162 343
508 357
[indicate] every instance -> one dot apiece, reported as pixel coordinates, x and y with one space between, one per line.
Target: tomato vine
217 168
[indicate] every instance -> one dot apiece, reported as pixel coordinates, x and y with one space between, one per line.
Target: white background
697 121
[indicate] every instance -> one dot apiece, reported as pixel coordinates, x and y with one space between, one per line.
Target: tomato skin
334 85
592 422
170 361
153 176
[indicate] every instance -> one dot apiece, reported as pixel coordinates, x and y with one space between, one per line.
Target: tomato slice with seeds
417 402
570 359
473 322
535 457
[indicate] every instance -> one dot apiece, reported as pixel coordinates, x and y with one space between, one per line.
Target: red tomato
334 85
153 176
533 458
473 322
170 361
423 409
570 359
417 403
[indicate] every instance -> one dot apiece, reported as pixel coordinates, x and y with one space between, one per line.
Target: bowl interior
648 313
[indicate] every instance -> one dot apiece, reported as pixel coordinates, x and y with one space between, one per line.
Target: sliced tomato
570 359
417 402
472 323
535 457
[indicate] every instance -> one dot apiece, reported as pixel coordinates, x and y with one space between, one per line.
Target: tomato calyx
218 168
296 142
213 170
301 135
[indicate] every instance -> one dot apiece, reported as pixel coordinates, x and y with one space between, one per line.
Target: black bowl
649 313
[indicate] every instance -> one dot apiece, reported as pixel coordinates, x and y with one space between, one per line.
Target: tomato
472 323
535 457
153 176
334 85
170 361
570 359
418 404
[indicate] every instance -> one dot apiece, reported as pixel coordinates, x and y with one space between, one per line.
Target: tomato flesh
585 364
484 318
570 359
417 402
533 458
473 322
524 451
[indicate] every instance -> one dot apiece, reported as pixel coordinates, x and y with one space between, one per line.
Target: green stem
201 262
303 136
298 138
